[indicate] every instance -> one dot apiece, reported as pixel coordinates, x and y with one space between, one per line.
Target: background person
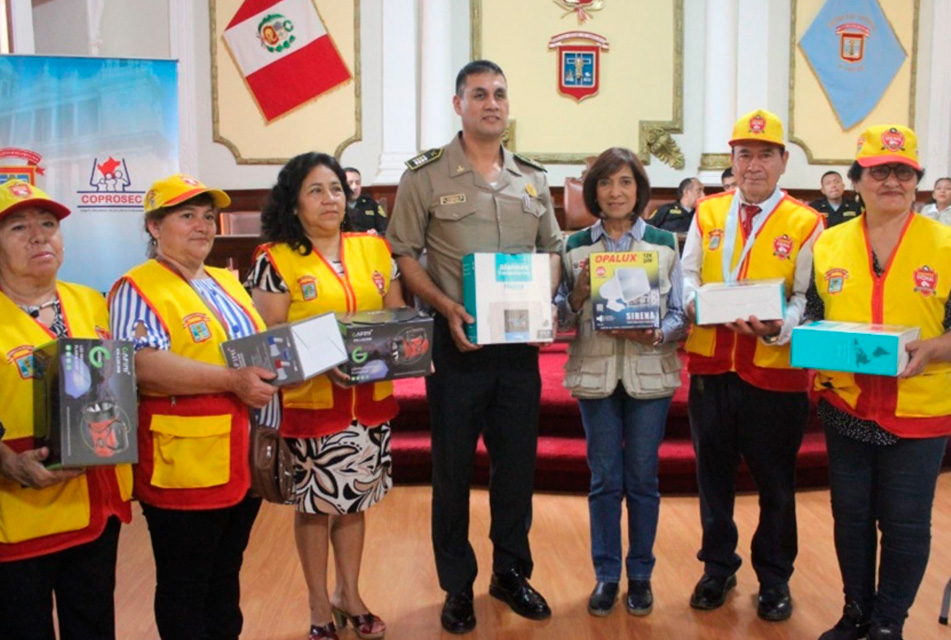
339 433
59 530
727 179
474 195
886 436
745 399
676 216
940 209
833 205
364 214
193 474
623 409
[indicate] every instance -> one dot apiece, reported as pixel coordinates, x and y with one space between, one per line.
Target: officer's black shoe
512 588
884 631
853 625
640 598
603 598
774 603
458 615
710 592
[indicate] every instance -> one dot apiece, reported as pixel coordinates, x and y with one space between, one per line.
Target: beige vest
597 361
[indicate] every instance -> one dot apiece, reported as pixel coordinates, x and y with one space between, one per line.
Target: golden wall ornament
580 7
660 143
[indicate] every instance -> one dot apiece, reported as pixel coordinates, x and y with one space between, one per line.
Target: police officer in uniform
473 195
676 216
835 208
364 214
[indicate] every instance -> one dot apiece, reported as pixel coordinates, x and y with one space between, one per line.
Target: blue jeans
624 435
892 487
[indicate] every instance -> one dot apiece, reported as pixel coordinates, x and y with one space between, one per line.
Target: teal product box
509 295
724 302
876 349
387 344
85 404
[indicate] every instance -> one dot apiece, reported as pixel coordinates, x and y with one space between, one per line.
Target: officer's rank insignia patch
531 190
716 237
308 287
926 281
423 159
456 198
197 325
579 62
530 162
835 280
782 247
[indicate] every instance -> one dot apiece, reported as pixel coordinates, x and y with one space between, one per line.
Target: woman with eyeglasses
886 436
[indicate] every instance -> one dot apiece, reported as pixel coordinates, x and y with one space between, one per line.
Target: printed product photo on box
85 406
624 289
724 302
387 344
292 352
509 295
876 349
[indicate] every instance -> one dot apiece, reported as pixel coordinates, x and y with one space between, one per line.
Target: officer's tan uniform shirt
452 211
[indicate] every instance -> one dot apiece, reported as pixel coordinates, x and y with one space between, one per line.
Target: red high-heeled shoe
323 632
362 624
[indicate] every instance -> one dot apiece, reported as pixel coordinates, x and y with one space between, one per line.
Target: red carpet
561 446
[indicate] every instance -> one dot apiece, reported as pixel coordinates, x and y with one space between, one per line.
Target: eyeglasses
902 171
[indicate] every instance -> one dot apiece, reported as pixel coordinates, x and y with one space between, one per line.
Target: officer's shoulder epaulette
665 238
423 159
530 162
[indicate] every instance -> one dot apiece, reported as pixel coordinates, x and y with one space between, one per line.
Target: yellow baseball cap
17 194
886 143
178 188
761 125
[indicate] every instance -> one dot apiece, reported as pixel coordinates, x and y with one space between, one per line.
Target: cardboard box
387 344
85 406
624 289
509 295
721 302
293 352
877 349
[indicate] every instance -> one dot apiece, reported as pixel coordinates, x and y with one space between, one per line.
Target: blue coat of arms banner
94 133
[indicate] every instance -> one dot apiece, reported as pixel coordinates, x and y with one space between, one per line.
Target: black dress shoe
457 613
603 598
710 592
882 631
640 598
853 625
774 603
513 589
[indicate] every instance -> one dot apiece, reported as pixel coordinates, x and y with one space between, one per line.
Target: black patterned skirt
346 472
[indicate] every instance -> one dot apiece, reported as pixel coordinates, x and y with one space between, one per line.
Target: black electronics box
387 344
84 402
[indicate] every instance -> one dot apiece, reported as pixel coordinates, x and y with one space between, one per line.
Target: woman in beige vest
623 379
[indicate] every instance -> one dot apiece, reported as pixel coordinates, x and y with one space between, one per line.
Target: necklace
34 310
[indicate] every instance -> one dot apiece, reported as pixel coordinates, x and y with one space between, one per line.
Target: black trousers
83 578
730 418
198 556
494 391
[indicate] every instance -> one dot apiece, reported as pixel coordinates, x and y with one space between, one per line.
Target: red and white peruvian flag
284 53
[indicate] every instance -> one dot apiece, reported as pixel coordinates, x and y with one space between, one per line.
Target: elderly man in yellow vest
745 399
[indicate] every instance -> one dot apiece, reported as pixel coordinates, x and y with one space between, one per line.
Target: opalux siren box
877 349
292 352
387 344
625 293
509 295
85 407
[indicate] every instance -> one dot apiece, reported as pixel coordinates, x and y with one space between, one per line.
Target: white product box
509 295
721 302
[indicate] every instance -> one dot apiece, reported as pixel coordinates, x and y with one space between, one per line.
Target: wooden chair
577 215
240 223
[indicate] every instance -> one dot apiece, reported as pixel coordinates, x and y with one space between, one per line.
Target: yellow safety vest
716 349
35 522
913 291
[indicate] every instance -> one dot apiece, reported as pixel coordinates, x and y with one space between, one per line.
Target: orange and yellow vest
318 407
716 349
913 291
36 522
193 449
